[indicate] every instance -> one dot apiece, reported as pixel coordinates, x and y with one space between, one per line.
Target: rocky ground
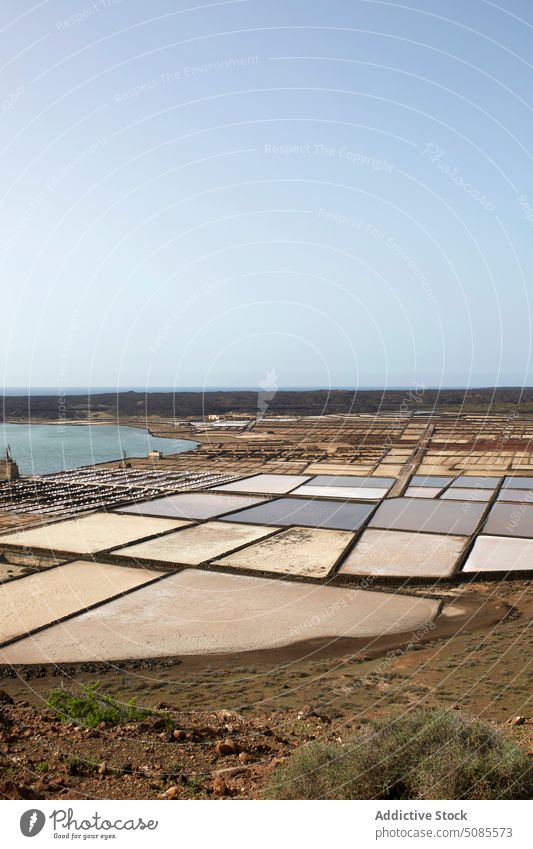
181 755
203 754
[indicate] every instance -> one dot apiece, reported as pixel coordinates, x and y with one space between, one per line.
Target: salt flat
434 481
364 481
421 492
524 496
45 597
404 554
500 554
347 493
316 513
201 612
518 483
192 505
512 520
264 484
467 495
195 544
476 482
307 552
431 515
92 533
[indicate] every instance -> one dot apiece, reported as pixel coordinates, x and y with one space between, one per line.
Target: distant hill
303 402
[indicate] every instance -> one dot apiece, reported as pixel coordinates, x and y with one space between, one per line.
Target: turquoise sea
41 449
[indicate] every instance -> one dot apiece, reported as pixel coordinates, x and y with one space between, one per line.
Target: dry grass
423 755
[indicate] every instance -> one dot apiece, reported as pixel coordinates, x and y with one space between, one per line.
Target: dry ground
267 704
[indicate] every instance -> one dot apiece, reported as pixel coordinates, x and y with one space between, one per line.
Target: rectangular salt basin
192 505
195 545
421 492
338 469
430 481
45 597
347 493
459 494
265 484
500 554
510 520
420 514
92 533
518 483
475 482
353 480
519 495
319 513
202 612
306 552
404 554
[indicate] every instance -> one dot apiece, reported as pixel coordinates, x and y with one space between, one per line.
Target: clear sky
266 192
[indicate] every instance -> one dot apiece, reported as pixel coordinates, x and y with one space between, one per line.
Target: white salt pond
404 554
265 484
306 552
196 544
192 505
202 612
90 534
345 492
500 554
45 597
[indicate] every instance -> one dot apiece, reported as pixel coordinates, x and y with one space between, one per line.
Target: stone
172 792
219 786
227 747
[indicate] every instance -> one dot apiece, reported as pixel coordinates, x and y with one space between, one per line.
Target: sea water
41 448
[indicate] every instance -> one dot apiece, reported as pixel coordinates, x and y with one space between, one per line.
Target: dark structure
9 471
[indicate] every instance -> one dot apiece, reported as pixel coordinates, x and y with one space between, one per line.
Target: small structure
9 471
155 455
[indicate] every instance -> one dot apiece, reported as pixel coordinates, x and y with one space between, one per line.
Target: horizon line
9 391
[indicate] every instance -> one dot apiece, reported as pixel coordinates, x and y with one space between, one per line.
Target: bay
42 449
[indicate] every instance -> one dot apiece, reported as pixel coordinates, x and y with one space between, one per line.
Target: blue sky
289 193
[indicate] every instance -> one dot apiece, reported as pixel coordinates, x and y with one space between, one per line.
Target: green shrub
91 707
78 765
423 755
